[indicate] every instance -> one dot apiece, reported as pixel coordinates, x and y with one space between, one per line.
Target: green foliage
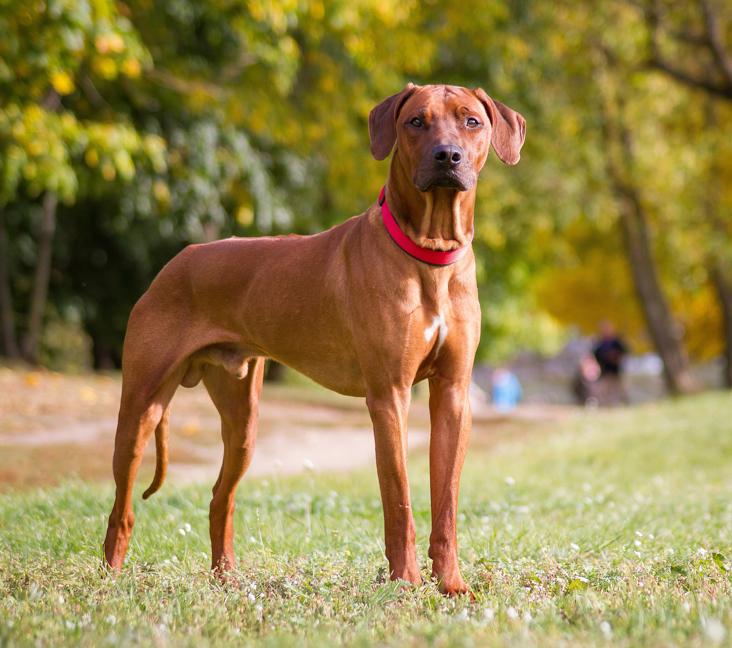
50 151
49 45
47 51
189 120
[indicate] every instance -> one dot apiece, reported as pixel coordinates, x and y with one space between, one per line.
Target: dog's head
444 133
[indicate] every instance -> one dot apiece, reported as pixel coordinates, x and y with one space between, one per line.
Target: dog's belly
343 377
314 341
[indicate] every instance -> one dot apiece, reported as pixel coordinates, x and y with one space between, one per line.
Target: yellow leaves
199 97
14 153
62 83
109 43
315 132
596 287
30 170
391 13
34 114
35 147
6 73
124 164
244 215
570 125
317 9
490 234
161 191
68 122
288 47
131 67
91 157
116 150
360 46
105 67
257 10
108 171
258 121
274 14
557 43
154 148
41 47
102 9
701 317
517 47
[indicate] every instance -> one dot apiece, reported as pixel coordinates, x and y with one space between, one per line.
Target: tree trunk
720 261
723 285
10 347
40 281
665 334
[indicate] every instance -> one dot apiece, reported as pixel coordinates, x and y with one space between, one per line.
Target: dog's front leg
388 409
450 429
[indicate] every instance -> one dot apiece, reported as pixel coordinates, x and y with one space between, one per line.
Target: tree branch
714 38
701 83
711 40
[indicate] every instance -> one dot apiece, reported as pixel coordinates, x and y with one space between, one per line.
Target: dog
367 308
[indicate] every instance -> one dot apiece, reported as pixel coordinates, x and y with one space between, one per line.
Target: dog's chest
436 331
444 309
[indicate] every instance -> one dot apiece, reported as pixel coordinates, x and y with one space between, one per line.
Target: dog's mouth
450 178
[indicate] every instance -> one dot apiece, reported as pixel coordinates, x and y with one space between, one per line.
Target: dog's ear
382 122
509 128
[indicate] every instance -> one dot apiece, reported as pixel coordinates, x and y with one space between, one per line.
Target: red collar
433 257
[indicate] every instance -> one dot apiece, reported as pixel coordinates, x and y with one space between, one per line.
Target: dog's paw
455 588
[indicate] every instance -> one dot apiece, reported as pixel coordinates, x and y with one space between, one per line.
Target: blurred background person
609 351
506 390
585 383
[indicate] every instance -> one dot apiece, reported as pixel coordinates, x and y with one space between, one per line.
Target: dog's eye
416 122
472 122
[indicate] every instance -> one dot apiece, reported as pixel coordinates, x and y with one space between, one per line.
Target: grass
615 528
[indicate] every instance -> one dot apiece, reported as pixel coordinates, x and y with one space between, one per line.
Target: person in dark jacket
609 351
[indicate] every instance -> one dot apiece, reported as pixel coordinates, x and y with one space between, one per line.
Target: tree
700 32
45 51
172 122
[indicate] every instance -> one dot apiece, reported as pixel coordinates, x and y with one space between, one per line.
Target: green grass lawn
614 528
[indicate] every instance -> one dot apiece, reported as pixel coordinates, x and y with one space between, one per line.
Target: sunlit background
130 129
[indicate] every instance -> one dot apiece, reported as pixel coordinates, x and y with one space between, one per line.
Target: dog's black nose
448 155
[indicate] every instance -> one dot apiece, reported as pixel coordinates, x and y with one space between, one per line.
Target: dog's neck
438 219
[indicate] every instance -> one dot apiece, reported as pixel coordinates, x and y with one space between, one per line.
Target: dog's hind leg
237 401
142 410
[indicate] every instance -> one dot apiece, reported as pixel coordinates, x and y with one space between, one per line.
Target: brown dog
346 307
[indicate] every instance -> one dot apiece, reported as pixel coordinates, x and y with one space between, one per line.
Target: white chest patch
438 326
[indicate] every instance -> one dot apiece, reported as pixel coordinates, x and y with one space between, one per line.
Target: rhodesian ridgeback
367 308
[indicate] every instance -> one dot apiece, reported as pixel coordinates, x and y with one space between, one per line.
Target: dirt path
55 426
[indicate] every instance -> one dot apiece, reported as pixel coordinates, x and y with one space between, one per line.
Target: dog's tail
161 455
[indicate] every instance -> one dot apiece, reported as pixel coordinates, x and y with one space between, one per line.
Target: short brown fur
346 307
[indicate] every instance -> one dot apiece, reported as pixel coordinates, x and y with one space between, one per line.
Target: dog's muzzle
444 167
